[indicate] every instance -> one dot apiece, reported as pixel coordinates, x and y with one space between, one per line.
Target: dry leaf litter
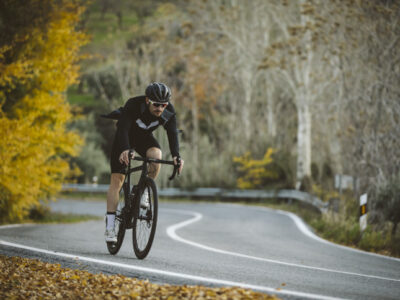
22 278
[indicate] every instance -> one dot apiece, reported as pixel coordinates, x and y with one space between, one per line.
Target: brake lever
176 168
173 174
130 153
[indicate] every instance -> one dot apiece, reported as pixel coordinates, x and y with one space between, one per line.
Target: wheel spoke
142 229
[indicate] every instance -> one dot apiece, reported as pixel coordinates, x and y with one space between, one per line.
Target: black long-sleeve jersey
136 119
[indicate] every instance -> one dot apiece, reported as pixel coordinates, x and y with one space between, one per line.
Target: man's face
156 109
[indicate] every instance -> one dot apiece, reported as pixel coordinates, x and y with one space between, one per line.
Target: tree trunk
271 114
195 142
246 78
246 113
394 229
303 142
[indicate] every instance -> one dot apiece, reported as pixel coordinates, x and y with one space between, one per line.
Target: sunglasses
157 104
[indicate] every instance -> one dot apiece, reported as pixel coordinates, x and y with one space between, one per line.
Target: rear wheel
145 221
113 248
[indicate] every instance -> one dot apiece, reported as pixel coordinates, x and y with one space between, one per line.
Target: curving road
216 244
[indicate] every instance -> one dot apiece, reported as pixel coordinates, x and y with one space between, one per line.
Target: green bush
385 204
343 228
39 212
373 240
341 232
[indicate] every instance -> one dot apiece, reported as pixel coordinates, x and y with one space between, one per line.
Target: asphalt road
216 245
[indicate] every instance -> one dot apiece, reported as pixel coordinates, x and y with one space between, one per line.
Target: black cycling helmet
158 92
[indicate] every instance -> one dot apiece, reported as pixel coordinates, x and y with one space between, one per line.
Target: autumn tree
238 32
301 60
187 66
373 99
315 96
198 98
372 108
39 51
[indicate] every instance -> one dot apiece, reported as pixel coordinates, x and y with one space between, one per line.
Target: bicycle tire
145 221
120 217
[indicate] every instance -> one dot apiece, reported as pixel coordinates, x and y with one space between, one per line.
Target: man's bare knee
117 178
154 169
154 152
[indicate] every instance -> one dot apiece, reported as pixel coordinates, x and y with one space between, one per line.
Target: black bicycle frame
143 167
129 200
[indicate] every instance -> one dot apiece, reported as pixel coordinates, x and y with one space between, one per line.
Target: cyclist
139 117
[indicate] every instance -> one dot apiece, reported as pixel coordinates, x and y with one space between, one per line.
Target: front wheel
145 219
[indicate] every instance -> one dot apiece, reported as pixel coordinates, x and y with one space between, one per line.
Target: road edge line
168 273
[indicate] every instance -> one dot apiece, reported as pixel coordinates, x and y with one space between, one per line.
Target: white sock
110 221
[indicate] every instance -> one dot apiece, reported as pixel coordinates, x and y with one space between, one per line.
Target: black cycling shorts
140 143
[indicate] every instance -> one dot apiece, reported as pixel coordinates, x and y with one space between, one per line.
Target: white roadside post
363 212
95 179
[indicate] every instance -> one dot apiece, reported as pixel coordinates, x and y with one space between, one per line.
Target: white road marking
171 232
306 231
15 225
170 274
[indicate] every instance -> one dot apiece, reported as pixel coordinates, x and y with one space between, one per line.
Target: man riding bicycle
140 116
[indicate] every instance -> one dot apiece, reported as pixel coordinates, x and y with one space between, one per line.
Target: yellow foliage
255 172
37 66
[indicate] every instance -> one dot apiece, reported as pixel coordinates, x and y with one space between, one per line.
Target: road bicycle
132 214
